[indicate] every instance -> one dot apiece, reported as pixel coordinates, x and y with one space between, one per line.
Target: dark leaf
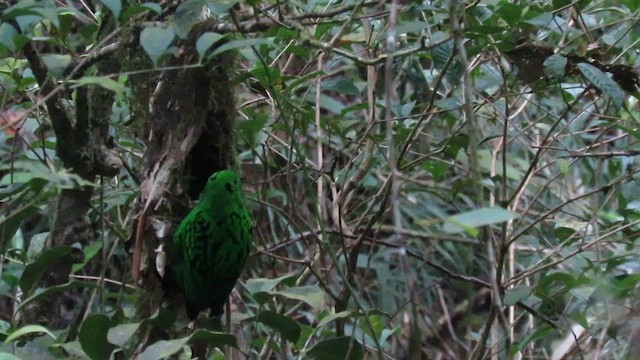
344 347
603 82
33 272
93 337
289 328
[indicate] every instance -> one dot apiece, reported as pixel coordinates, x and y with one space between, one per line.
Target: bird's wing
198 243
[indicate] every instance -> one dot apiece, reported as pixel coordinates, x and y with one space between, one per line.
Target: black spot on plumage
229 188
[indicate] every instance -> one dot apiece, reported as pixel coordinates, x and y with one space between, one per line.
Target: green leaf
289 328
249 129
311 294
341 86
7 356
261 285
56 63
262 291
415 26
52 15
120 334
72 348
104 81
242 43
603 82
563 166
163 319
438 169
33 346
332 317
631 131
89 252
486 29
261 288
13 189
455 144
540 20
26 14
33 272
516 294
93 337
166 348
115 6
303 81
155 41
477 218
540 332
139 8
555 66
163 349
206 41
188 14
441 54
29 329
510 13
557 4
11 223
344 347
7 32
550 282
25 171
563 233
404 110
221 7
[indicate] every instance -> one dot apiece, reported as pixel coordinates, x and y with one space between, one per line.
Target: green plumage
211 245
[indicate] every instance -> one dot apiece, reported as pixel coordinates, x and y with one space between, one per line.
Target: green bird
210 246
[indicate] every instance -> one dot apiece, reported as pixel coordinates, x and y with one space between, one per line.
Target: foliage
436 179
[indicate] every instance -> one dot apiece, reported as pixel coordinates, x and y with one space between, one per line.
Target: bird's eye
229 188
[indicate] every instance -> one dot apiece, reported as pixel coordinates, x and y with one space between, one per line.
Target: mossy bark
81 145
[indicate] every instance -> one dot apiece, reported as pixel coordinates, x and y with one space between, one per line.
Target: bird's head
222 185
